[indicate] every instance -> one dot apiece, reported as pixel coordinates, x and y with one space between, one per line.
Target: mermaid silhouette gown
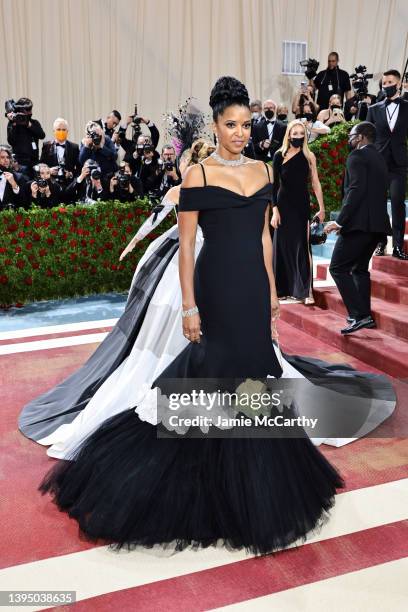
129 487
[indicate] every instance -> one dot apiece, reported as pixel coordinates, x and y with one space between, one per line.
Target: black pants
397 182
349 269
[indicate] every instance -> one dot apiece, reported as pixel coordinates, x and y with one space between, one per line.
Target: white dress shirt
392 110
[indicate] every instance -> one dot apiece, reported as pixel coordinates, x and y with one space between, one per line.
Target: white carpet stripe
40 345
56 329
374 589
98 571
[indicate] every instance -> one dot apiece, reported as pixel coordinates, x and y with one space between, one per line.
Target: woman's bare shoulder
173 194
193 177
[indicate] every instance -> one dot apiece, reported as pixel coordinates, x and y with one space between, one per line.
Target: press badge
34 146
330 87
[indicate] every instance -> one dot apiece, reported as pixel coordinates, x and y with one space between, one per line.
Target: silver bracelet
190 312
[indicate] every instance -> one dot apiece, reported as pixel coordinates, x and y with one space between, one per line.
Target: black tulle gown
128 487
291 251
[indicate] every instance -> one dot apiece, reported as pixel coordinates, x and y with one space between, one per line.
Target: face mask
352 143
255 115
297 142
333 106
282 117
390 91
269 114
308 116
60 134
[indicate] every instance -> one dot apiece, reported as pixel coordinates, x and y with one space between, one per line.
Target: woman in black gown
127 486
293 163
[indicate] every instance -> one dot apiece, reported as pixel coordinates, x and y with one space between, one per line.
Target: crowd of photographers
67 172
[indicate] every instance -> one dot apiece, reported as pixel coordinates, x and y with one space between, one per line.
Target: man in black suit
10 182
267 133
362 220
390 117
61 155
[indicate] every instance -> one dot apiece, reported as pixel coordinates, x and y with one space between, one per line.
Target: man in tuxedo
390 117
362 220
10 182
255 106
268 133
61 155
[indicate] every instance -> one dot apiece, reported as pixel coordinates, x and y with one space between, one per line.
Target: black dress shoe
380 250
399 253
350 319
367 323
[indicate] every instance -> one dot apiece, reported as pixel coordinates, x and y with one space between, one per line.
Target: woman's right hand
129 248
276 220
192 328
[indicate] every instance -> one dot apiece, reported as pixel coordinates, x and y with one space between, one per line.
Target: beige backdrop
81 58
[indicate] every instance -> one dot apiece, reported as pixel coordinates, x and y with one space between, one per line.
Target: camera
168 166
310 65
360 81
147 148
123 177
136 129
95 137
61 172
21 110
95 171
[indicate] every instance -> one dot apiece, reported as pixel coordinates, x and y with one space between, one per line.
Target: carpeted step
374 346
390 317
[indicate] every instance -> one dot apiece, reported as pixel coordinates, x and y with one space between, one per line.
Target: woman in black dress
127 486
293 164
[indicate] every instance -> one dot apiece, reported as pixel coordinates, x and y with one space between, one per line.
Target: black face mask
297 142
390 91
333 106
282 117
352 143
269 114
308 116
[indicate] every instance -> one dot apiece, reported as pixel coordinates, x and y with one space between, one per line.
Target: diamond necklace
228 162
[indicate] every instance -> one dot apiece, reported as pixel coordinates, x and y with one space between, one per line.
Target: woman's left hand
320 215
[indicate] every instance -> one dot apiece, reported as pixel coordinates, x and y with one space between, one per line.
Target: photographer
125 187
61 155
129 146
334 114
167 173
42 191
88 187
149 169
11 182
331 81
353 105
135 159
98 147
305 95
23 133
111 123
314 128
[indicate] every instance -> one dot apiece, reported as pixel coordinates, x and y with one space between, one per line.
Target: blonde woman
293 164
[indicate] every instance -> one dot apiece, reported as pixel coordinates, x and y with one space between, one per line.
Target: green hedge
69 250
331 153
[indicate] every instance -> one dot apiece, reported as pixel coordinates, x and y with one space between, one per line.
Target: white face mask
255 115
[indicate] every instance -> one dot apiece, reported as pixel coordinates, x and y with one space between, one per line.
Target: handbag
317 233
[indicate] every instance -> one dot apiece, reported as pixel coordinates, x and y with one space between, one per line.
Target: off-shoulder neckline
240 195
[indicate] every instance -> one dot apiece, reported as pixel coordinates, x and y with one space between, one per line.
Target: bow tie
60 145
395 101
271 121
